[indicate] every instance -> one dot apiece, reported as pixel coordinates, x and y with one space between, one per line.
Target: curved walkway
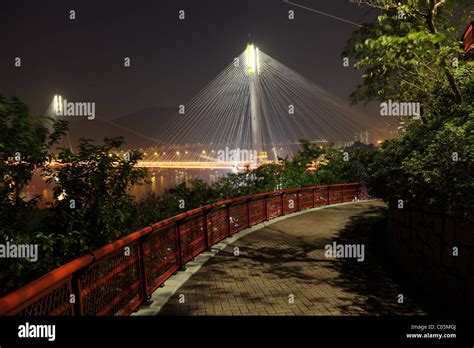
282 269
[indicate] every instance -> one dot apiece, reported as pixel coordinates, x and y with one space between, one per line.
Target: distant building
363 137
345 143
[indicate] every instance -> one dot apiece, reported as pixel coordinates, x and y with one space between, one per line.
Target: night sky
171 59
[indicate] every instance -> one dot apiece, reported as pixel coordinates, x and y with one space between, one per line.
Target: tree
25 145
413 53
91 190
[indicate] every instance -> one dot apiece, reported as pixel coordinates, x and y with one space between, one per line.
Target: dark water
158 180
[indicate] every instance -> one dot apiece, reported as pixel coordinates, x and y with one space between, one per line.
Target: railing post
342 193
327 195
266 208
206 236
281 201
143 282
248 213
76 291
298 200
228 220
178 236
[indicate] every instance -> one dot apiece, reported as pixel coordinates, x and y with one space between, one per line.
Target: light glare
252 66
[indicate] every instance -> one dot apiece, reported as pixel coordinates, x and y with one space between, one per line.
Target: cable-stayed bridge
254 111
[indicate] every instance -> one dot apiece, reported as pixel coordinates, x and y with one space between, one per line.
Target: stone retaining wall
421 245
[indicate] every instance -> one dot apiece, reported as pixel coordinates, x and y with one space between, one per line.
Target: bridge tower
253 72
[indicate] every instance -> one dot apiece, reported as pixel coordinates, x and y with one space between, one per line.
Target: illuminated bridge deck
194 165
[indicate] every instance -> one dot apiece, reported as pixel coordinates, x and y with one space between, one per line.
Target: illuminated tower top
58 105
253 63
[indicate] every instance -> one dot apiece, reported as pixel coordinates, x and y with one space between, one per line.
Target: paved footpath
281 269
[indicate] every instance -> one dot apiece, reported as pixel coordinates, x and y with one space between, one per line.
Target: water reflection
157 181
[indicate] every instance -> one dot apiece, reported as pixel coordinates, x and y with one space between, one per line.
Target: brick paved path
287 259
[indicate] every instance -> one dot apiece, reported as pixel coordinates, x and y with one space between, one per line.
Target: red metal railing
118 277
468 37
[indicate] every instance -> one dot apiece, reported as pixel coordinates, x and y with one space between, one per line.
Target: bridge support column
253 70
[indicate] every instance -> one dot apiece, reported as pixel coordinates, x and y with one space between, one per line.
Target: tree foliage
26 143
91 190
413 53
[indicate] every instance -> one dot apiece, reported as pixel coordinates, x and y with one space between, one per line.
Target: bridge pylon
253 72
